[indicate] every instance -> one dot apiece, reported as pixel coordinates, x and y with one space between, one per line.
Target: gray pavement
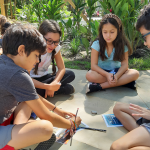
102 102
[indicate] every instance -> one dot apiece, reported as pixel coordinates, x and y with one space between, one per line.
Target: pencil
101 130
75 121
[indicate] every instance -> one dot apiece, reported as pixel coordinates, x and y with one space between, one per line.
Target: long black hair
118 43
45 27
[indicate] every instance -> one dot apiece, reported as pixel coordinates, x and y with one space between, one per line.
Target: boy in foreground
22 46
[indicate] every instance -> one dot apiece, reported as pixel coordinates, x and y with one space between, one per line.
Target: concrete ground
102 102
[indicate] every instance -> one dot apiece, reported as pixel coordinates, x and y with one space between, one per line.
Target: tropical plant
79 6
86 44
87 39
74 46
26 13
62 31
69 27
127 11
37 7
51 9
91 9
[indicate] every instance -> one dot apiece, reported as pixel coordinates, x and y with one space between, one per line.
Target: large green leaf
112 4
83 29
132 3
85 42
117 8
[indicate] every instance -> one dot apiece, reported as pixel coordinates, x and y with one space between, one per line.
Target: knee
71 75
116 108
90 77
135 74
117 146
45 129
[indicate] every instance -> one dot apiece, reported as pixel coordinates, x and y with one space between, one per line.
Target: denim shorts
5 135
144 122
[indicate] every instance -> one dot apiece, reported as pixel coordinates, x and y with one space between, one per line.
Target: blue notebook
111 120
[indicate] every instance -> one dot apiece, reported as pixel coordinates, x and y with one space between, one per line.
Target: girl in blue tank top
109 57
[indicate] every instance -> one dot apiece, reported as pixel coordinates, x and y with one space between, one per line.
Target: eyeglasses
50 42
144 36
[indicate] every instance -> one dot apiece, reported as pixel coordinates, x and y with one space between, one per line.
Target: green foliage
94 27
127 11
86 45
65 13
62 31
75 46
26 13
51 9
89 35
68 26
91 9
79 6
77 64
37 7
139 63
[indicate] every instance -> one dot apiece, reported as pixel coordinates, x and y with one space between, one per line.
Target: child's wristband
54 109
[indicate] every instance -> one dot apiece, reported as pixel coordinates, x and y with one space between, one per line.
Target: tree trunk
11 9
14 8
6 7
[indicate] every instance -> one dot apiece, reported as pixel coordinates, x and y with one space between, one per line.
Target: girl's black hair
45 27
144 18
118 43
4 27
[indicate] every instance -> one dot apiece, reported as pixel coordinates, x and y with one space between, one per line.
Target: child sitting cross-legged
22 45
109 57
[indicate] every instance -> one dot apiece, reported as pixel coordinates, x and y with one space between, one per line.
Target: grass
140 63
77 64
135 63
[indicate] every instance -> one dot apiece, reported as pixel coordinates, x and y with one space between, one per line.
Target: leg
136 139
66 88
24 135
93 76
22 113
129 76
68 77
124 114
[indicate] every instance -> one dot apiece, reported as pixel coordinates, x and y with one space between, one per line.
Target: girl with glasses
58 82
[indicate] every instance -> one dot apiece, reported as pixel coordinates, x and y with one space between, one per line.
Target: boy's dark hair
144 18
118 43
4 27
46 27
26 35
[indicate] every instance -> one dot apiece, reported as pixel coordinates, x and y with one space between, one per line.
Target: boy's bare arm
1 51
43 113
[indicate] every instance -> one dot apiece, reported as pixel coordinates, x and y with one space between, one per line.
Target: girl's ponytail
53 65
36 66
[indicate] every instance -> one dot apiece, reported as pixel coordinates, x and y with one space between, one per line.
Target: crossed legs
25 132
138 138
129 76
